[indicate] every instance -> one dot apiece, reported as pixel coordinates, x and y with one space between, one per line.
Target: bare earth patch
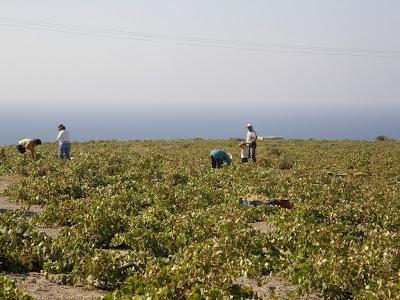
51 232
274 288
264 227
9 180
119 252
37 286
6 205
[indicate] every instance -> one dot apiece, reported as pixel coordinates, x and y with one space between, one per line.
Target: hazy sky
118 86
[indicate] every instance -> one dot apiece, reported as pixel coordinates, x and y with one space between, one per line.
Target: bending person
244 154
28 144
218 157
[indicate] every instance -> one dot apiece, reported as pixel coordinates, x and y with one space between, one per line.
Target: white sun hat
249 125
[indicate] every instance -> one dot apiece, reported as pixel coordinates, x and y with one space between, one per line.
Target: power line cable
193 39
189 41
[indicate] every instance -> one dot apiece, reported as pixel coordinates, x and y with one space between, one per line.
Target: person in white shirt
64 143
251 141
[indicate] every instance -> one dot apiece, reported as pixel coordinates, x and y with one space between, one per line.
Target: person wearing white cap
251 141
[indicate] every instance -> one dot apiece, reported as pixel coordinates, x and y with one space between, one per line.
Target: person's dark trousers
216 163
64 151
252 153
21 149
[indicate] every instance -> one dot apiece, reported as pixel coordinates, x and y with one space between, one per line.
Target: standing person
218 157
28 144
64 143
251 141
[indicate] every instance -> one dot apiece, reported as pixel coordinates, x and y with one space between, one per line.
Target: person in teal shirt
218 157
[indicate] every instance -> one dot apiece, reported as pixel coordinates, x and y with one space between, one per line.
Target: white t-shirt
24 142
63 137
251 136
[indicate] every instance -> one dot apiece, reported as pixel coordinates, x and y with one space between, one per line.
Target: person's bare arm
31 147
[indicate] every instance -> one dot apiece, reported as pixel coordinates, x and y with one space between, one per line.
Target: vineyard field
152 219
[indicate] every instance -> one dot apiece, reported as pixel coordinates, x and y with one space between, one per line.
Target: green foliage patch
8 291
152 219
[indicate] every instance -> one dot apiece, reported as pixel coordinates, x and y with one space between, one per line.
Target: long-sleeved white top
63 137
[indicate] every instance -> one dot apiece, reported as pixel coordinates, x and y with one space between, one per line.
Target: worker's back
24 142
221 155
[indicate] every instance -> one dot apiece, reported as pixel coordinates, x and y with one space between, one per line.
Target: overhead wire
195 41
